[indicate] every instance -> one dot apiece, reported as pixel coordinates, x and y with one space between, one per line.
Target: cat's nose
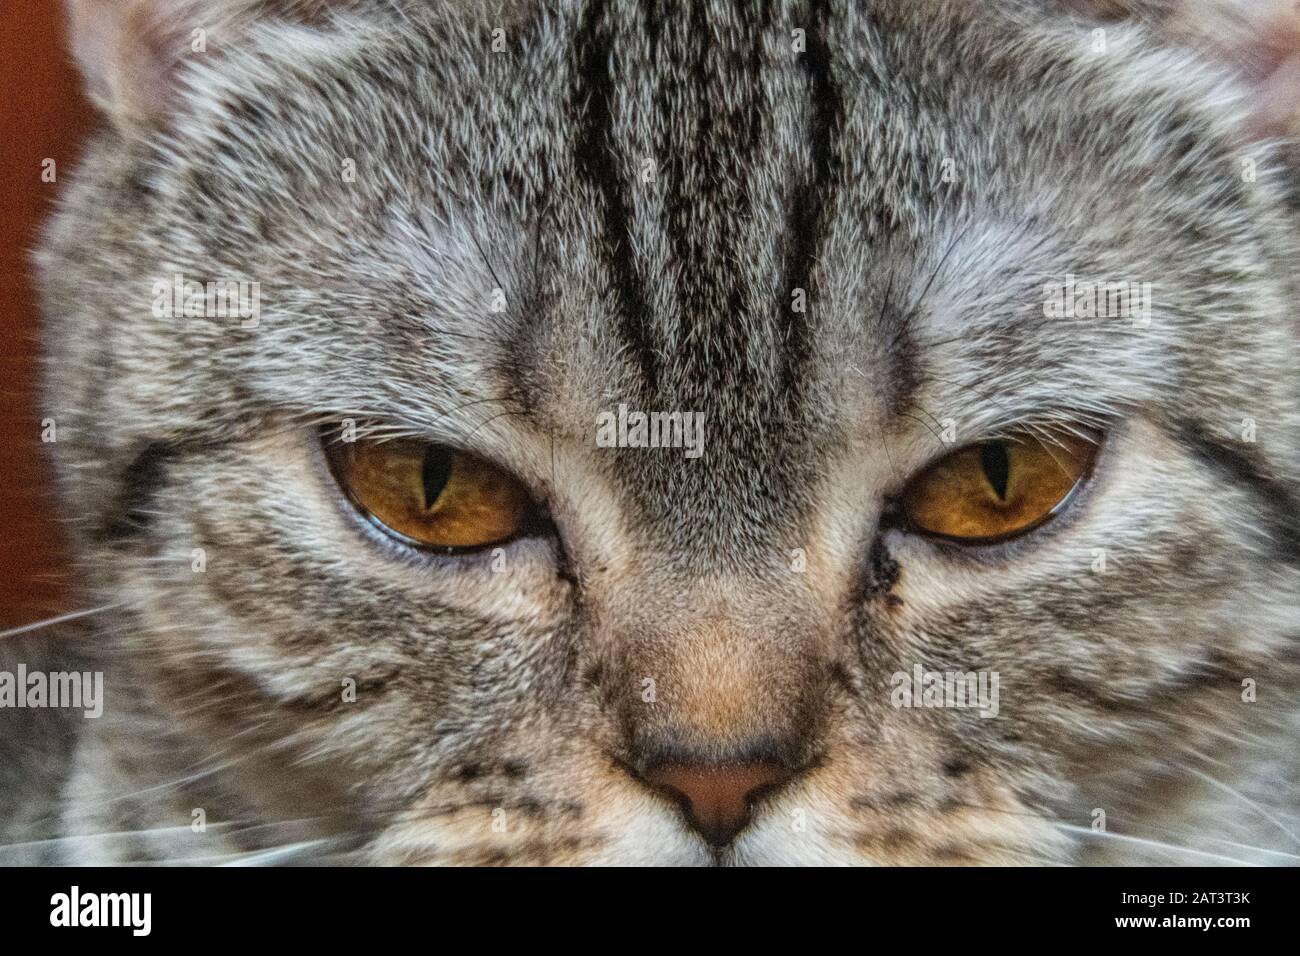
717 798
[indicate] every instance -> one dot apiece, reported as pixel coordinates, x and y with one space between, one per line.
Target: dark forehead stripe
591 99
808 211
737 125
709 153
740 127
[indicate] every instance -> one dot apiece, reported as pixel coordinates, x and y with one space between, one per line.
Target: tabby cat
675 433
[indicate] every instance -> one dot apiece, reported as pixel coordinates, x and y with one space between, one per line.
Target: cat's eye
994 490
430 495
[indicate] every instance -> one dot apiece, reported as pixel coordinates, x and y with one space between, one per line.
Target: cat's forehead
718 211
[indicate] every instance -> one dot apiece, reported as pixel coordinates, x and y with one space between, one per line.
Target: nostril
716 798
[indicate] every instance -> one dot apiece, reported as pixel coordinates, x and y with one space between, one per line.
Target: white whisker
60 619
1247 801
1156 844
277 854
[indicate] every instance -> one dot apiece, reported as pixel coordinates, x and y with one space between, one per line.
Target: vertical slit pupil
997 466
434 472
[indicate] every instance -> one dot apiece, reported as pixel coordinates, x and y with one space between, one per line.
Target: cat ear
126 53
133 53
1259 40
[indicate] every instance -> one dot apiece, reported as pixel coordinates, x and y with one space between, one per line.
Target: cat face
840 242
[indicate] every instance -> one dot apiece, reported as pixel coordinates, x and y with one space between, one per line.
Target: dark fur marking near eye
956 767
515 769
805 221
591 98
902 354
524 384
882 571
1279 503
141 480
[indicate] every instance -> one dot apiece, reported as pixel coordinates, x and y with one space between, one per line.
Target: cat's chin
633 831
807 827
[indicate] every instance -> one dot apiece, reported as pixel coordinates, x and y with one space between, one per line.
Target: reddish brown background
42 115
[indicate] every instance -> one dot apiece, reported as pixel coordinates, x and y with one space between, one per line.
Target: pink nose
716 798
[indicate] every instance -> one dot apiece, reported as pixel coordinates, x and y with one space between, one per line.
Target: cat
831 231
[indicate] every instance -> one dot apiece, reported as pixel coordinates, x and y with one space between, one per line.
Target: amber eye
997 489
431 495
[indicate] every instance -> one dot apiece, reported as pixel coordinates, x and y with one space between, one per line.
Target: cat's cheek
518 582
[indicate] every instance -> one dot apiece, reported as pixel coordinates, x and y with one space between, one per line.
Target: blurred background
42 116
